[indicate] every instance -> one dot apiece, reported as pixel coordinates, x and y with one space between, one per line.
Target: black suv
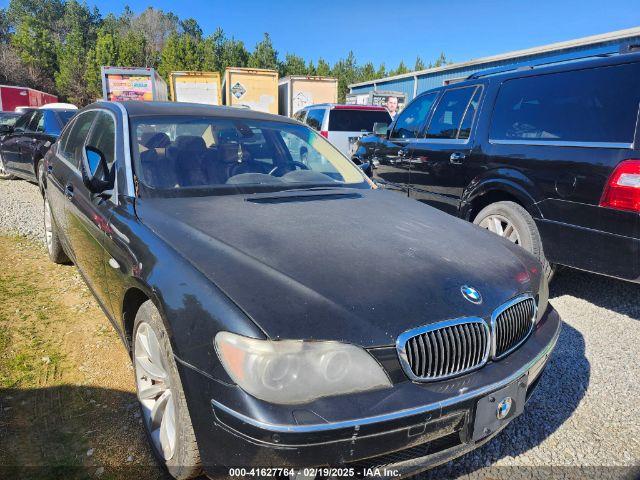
548 157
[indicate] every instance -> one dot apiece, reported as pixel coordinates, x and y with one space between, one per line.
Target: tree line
59 46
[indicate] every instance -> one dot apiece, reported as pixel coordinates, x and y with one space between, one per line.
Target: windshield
8 119
186 155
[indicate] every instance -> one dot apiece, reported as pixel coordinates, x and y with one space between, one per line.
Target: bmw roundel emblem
503 408
471 294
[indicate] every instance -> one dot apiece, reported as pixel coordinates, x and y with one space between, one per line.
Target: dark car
545 156
25 143
232 268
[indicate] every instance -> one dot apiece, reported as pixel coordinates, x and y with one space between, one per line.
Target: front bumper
410 427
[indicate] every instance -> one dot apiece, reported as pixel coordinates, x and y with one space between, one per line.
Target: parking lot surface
586 410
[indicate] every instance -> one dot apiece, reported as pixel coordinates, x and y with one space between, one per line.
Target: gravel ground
586 411
21 209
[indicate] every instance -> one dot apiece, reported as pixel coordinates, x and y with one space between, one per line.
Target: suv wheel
164 409
3 171
513 222
52 239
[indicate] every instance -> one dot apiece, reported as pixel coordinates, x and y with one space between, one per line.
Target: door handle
68 191
457 158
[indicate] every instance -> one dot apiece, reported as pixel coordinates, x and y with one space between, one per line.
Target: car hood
359 266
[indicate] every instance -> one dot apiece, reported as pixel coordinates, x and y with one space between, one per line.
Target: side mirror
95 174
6 129
380 129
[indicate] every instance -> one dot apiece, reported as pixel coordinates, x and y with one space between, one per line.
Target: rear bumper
613 254
410 427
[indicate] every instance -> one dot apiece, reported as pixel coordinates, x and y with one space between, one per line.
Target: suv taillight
622 191
324 133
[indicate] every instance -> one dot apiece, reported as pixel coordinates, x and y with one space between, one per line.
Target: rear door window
315 118
597 105
103 137
77 136
449 114
347 120
413 117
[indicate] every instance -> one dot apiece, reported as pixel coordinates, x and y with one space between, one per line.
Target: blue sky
390 31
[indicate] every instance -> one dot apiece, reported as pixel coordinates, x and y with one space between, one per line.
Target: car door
32 142
394 153
88 213
442 164
12 143
63 169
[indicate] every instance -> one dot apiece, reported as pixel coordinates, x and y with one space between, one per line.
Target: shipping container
12 97
296 92
195 87
255 88
376 97
132 83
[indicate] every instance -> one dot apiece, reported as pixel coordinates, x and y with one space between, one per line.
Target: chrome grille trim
508 321
444 349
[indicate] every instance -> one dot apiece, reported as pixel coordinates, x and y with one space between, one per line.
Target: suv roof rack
496 71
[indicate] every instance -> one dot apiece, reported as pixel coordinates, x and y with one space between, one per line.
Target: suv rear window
344 120
592 105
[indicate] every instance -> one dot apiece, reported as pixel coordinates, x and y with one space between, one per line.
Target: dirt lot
67 404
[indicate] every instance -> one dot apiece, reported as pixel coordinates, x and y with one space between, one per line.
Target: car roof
139 109
497 75
345 106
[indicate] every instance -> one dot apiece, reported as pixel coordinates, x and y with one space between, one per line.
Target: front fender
509 181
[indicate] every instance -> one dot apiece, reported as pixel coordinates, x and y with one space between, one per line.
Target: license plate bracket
487 420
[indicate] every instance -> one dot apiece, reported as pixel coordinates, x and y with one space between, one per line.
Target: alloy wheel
502 226
48 226
154 392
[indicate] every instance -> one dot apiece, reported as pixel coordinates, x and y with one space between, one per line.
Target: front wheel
513 222
4 175
164 408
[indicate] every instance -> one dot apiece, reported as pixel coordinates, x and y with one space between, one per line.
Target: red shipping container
12 97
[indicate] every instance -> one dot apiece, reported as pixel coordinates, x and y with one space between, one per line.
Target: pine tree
264 55
323 69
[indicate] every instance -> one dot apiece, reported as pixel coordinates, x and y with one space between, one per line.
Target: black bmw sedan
279 309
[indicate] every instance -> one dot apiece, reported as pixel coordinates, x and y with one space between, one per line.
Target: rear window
356 120
593 105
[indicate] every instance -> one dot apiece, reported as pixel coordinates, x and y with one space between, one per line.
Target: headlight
295 371
543 297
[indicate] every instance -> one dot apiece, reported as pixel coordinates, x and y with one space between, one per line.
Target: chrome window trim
496 313
404 337
128 169
559 143
322 427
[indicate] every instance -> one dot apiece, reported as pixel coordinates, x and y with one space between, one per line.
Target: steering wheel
295 163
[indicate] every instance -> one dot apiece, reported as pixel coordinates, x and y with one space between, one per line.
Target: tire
40 174
3 172
512 221
152 354
52 237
